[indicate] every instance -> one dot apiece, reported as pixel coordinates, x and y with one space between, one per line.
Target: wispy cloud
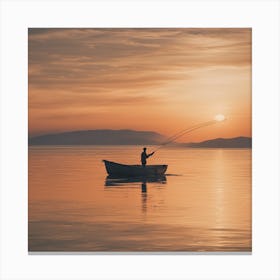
81 68
114 57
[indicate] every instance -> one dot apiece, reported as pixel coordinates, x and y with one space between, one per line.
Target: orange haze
162 80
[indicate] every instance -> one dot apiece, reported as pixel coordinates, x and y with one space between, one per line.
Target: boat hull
123 170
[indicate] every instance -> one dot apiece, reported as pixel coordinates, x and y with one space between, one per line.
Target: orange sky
162 80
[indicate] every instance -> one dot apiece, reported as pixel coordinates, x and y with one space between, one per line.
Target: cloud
68 101
116 56
76 70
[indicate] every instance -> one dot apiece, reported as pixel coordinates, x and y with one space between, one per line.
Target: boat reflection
134 182
144 197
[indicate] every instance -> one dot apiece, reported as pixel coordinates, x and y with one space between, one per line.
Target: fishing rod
179 134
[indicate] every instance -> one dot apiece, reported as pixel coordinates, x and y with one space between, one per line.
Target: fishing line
185 131
178 134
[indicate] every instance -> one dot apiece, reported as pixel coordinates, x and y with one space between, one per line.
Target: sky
162 80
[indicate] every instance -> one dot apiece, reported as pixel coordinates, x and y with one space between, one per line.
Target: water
203 204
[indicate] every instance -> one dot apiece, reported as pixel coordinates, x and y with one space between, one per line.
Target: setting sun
128 150
219 118
145 79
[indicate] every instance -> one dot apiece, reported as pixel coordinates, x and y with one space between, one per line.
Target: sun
219 118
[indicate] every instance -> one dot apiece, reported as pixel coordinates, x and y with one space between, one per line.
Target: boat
123 170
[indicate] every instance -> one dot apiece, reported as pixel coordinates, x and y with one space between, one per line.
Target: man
144 157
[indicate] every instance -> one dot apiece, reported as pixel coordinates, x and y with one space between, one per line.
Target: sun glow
207 84
219 118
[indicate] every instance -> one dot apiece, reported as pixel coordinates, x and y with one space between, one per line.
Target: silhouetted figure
144 156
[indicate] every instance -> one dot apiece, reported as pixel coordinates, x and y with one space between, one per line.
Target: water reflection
206 208
144 197
133 182
111 181
144 187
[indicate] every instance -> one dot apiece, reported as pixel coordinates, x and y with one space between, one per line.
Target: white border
17 16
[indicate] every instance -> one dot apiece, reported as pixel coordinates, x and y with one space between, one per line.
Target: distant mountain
237 142
99 137
130 137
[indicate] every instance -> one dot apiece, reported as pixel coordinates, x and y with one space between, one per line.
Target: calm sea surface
203 204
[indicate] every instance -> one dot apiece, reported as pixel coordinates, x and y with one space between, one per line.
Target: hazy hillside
130 137
237 142
99 137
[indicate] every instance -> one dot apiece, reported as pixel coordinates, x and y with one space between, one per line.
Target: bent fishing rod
188 130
